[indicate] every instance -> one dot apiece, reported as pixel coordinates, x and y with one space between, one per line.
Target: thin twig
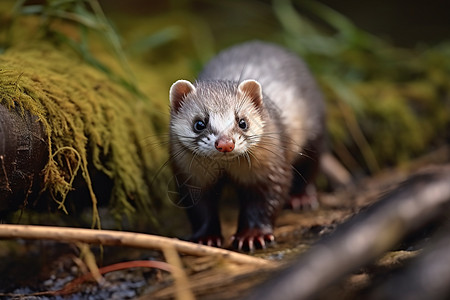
182 288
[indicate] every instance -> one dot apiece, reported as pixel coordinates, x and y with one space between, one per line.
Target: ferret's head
217 119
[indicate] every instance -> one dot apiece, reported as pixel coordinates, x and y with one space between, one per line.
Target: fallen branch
364 238
120 238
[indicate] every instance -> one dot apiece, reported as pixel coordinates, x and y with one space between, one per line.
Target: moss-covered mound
92 124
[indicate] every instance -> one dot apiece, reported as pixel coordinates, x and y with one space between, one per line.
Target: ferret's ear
178 92
252 89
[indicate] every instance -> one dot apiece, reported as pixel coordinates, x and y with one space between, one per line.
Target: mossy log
67 127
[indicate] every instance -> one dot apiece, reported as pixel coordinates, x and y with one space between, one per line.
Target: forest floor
30 269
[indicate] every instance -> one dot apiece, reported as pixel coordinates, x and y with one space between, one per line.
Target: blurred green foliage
386 105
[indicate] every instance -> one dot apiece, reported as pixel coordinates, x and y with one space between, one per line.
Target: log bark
427 277
23 154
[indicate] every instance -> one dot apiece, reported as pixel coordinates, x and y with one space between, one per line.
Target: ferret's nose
224 144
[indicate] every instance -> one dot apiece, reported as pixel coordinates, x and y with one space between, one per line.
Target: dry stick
89 260
182 289
334 170
120 238
364 238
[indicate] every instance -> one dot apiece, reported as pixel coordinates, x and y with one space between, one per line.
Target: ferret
254 118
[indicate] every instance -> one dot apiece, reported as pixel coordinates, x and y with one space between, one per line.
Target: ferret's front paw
211 240
251 239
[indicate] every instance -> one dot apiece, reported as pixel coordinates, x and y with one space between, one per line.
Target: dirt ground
29 268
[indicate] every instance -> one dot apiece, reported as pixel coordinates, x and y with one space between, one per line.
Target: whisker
164 165
299 174
251 141
250 153
292 167
194 155
156 145
248 159
306 155
271 151
156 139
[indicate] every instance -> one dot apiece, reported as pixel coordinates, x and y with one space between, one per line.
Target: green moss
88 119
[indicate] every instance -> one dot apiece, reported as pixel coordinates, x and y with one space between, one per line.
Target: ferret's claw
251 239
251 247
262 242
213 241
240 244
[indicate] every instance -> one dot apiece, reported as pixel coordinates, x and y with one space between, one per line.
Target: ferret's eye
242 124
199 126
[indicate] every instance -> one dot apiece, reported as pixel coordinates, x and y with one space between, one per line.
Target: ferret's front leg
259 207
201 204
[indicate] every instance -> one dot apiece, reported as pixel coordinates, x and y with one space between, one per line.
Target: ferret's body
255 117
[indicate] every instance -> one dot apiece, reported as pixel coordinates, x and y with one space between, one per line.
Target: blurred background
382 65
403 23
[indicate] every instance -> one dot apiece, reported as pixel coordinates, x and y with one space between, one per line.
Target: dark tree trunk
23 154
